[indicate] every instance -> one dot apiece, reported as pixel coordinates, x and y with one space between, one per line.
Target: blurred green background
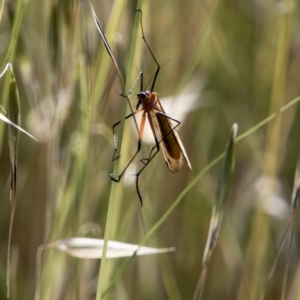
223 62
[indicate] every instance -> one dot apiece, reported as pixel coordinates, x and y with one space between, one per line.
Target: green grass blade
1 9
296 188
225 177
112 193
105 43
13 140
14 120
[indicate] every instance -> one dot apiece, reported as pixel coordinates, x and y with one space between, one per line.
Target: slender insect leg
146 161
140 76
129 103
118 178
141 88
130 106
114 134
158 65
168 117
132 114
142 169
157 147
142 84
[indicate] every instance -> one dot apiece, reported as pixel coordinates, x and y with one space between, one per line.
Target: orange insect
166 138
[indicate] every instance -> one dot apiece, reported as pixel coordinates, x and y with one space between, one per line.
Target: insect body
166 138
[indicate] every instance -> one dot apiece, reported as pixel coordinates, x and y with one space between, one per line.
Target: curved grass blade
90 248
109 51
8 121
112 192
225 178
296 188
93 248
105 43
14 120
13 141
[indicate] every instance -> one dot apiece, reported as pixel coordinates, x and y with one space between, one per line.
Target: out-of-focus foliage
223 62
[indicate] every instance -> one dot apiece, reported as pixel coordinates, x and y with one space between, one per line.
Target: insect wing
165 136
182 149
170 143
176 135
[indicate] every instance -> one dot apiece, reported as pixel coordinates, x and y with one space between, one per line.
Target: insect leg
114 134
169 118
142 169
158 65
151 156
118 178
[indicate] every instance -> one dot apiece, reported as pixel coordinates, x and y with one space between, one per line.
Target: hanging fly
165 136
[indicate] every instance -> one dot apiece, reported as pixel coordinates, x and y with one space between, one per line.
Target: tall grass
223 62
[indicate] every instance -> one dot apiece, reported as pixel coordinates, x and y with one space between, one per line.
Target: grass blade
90 248
14 120
111 198
105 43
12 124
290 225
13 140
225 177
1 9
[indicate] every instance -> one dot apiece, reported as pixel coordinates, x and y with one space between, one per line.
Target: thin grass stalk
13 139
290 224
224 182
18 17
277 257
105 43
105 65
286 268
294 202
116 165
1 9
38 268
15 255
201 283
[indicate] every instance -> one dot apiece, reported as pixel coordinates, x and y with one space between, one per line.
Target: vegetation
223 62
